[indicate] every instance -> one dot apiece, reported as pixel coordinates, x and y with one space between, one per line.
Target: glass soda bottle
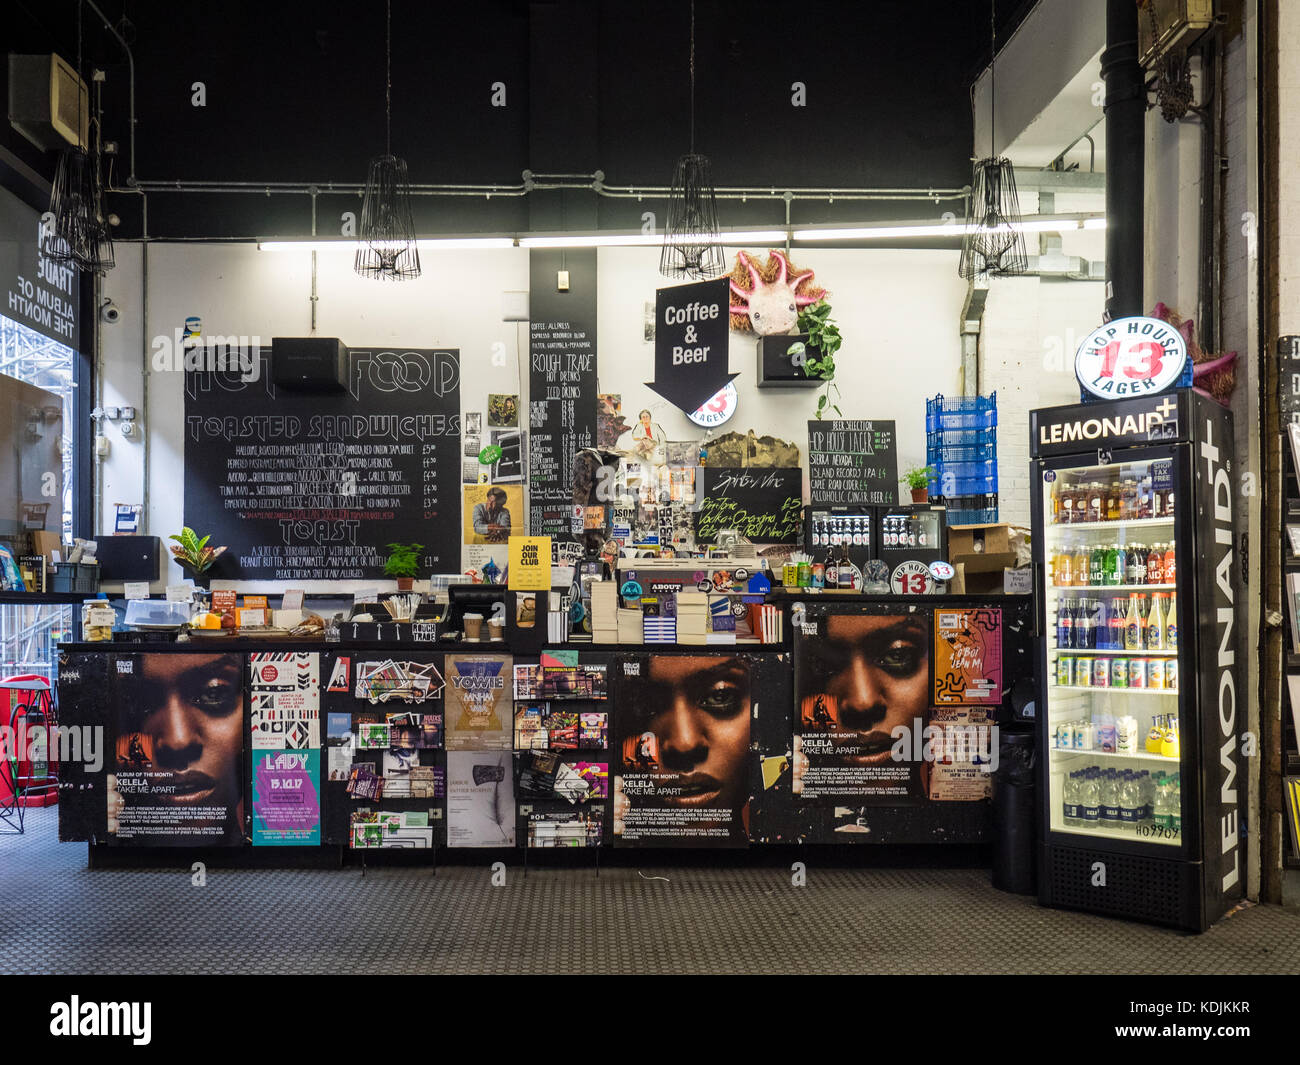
1097 566
1133 624
1113 497
1064 568
1082 561
1170 572
1171 625
1156 565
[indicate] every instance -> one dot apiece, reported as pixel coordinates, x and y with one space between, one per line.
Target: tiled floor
61 917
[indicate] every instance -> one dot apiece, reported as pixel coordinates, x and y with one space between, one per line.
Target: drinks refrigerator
907 532
1140 772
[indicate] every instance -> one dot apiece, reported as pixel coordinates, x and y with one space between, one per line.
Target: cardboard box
982 548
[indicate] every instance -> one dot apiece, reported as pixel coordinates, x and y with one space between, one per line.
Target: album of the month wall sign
1130 357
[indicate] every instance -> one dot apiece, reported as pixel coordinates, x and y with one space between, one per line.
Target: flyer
478 703
968 657
480 799
284 700
286 798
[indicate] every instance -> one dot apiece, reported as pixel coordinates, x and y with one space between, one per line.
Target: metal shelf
1130 654
1145 756
1108 690
1131 523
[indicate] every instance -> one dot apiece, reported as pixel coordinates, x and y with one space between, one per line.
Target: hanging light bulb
386 233
994 243
692 240
72 204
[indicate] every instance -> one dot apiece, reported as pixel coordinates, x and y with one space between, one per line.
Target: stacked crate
961 448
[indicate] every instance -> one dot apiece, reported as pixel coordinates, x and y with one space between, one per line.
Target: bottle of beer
831 567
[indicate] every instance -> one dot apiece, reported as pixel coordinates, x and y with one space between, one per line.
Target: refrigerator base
1152 890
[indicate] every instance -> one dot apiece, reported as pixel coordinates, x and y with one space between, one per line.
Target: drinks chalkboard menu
561 385
313 486
852 462
763 505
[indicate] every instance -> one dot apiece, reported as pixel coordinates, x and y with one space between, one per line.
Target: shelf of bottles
1111 580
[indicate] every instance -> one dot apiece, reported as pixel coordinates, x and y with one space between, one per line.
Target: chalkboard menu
313 486
1288 373
763 505
852 462
561 385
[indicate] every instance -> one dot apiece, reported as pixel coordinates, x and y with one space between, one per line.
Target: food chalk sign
1130 357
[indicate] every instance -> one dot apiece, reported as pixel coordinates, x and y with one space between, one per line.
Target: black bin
1015 841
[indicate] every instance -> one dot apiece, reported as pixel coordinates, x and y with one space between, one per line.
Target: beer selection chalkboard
764 505
313 486
852 461
561 386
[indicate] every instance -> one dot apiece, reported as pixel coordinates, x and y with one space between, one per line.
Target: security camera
109 313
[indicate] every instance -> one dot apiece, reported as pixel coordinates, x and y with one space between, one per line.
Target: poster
177 771
284 700
681 750
530 564
480 799
862 694
961 742
391 829
478 706
286 798
490 513
968 657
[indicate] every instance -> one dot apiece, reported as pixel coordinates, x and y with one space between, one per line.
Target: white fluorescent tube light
951 229
350 245
1094 223
615 240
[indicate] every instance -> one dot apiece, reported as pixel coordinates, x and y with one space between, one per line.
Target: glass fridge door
1112 685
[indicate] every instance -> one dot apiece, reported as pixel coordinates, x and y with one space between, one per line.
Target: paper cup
473 627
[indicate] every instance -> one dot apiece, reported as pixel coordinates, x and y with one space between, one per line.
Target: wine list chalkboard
852 462
314 486
763 505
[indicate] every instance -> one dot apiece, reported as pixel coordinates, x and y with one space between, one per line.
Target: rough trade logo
1216 476
77 1018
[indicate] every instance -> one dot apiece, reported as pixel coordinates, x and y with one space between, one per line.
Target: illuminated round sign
717 410
1130 357
912 578
942 571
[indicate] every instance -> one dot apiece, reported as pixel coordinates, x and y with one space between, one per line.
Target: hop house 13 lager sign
1130 357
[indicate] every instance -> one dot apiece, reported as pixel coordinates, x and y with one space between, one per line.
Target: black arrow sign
691 330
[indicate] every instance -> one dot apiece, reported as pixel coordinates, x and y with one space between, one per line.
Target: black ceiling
295 92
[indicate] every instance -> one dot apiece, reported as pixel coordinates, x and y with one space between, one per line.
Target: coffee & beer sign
1130 357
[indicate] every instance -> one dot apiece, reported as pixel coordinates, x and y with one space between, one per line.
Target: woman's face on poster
191 708
699 711
876 669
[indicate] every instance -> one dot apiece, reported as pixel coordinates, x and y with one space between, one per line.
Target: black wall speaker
309 364
128 558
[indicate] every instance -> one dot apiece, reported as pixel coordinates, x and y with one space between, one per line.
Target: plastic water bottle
1089 798
1109 795
1070 812
1130 804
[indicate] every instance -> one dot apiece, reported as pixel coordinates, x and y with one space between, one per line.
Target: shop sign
35 290
717 410
692 334
1130 357
1102 426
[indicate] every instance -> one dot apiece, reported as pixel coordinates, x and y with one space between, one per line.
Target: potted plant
194 554
817 354
918 480
402 564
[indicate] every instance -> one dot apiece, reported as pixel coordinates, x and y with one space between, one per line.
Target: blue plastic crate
948 485
961 412
939 452
985 516
963 438
986 468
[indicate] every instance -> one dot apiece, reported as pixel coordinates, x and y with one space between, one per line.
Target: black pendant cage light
692 240
994 242
80 231
387 250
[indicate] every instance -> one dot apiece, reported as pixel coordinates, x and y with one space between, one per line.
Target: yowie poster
177 770
284 702
479 712
968 657
681 750
859 678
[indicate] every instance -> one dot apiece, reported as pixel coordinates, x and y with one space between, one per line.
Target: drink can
1084 736
1155 673
1065 671
790 575
1137 672
1119 672
1100 673
1171 674
1083 671
1065 734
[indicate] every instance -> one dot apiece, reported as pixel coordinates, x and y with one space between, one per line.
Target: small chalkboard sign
1288 373
763 505
853 462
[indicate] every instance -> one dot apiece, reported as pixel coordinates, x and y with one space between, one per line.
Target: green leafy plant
918 477
190 551
817 356
403 560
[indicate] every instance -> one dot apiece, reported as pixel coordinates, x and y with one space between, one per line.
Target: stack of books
629 625
692 617
604 612
659 628
767 622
